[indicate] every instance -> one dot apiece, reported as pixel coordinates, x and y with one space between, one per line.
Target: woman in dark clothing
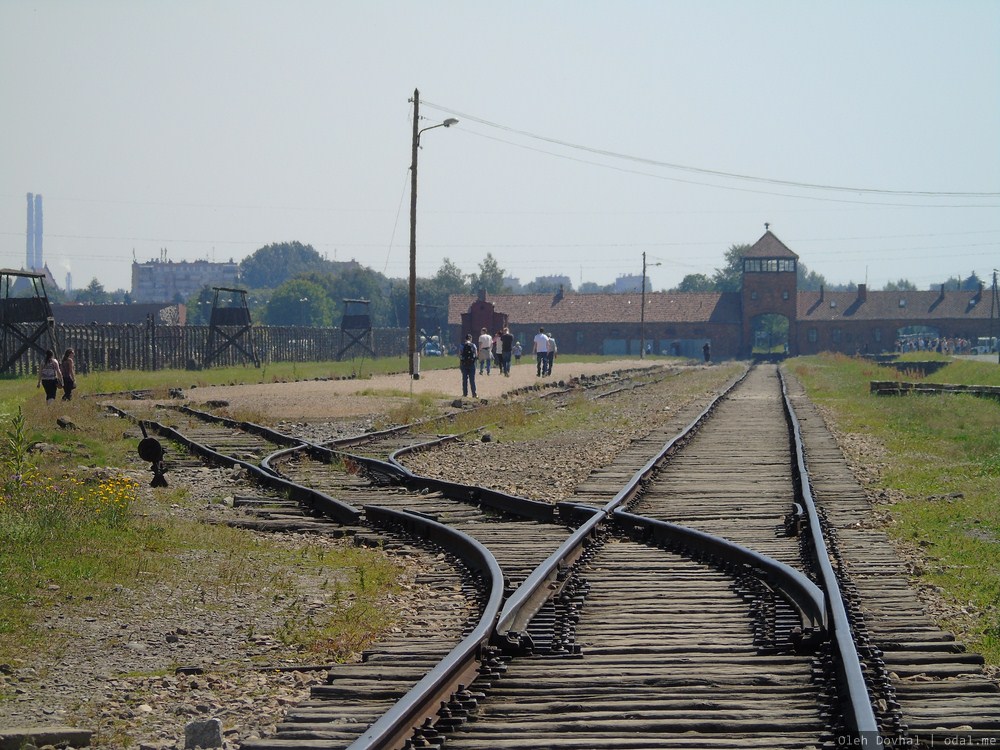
50 376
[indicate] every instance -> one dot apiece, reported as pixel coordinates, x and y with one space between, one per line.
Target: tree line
291 284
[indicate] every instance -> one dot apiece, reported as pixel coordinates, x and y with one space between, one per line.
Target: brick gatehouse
767 315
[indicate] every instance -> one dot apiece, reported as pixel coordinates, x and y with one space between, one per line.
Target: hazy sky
867 133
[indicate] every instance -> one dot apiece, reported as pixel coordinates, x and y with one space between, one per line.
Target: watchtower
230 326
769 290
24 321
356 325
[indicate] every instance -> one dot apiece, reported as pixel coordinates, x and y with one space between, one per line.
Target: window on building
835 335
786 265
877 334
784 294
812 335
753 294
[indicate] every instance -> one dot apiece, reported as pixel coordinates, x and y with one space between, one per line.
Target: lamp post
642 310
412 346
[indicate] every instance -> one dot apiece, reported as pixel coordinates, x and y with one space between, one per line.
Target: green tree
900 286
449 278
199 307
729 278
490 276
590 287
809 281
94 293
695 282
299 302
271 266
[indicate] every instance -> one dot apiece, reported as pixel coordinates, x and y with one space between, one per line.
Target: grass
942 461
74 535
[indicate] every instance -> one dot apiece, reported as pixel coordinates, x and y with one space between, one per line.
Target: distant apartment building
627 283
170 281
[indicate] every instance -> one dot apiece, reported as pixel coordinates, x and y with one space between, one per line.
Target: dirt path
330 399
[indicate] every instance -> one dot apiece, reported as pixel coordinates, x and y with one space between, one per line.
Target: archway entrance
769 334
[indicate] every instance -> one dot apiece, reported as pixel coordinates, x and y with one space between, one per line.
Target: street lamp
412 346
642 310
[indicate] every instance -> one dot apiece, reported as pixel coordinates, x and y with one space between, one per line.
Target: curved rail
457 670
532 594
318 501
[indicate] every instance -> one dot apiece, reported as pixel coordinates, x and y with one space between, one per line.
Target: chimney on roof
941 296
559 294
482 294
821 289
862 292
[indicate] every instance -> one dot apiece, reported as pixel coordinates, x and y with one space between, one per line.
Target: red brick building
767 314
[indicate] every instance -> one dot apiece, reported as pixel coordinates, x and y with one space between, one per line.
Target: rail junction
718 585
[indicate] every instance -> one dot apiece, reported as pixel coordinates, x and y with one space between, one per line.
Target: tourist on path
467 363
485 355
540 346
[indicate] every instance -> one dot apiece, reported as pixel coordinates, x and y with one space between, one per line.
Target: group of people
497 350
487 352
53 375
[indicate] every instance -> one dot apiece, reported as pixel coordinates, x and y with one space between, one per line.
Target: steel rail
535 590
457 670
858 712
804 595
336 509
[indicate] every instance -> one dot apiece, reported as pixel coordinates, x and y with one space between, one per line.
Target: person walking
50 376
498 352
550 355
707 351
68 368
506 349
517 352
540 346
467 354
485 353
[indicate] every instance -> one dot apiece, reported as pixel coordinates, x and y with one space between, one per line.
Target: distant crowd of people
53 375
940 344
498 351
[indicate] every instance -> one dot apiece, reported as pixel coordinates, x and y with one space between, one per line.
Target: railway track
679 601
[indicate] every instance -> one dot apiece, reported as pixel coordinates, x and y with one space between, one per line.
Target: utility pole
412 344
642 311
994 308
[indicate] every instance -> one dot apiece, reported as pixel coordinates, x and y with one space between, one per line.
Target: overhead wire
712 172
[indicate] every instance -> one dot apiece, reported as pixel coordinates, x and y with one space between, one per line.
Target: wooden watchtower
230 326
26 323
356 325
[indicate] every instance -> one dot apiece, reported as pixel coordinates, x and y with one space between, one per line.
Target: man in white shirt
485 351
540 346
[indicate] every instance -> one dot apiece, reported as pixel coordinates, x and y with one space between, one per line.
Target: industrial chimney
39 263
29 259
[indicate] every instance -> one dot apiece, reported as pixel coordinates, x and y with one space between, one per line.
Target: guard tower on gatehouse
26 323
768 297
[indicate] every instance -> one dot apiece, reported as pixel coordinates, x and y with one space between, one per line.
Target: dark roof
916 306
769 246
661 307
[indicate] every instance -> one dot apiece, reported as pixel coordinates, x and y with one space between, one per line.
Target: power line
713 172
